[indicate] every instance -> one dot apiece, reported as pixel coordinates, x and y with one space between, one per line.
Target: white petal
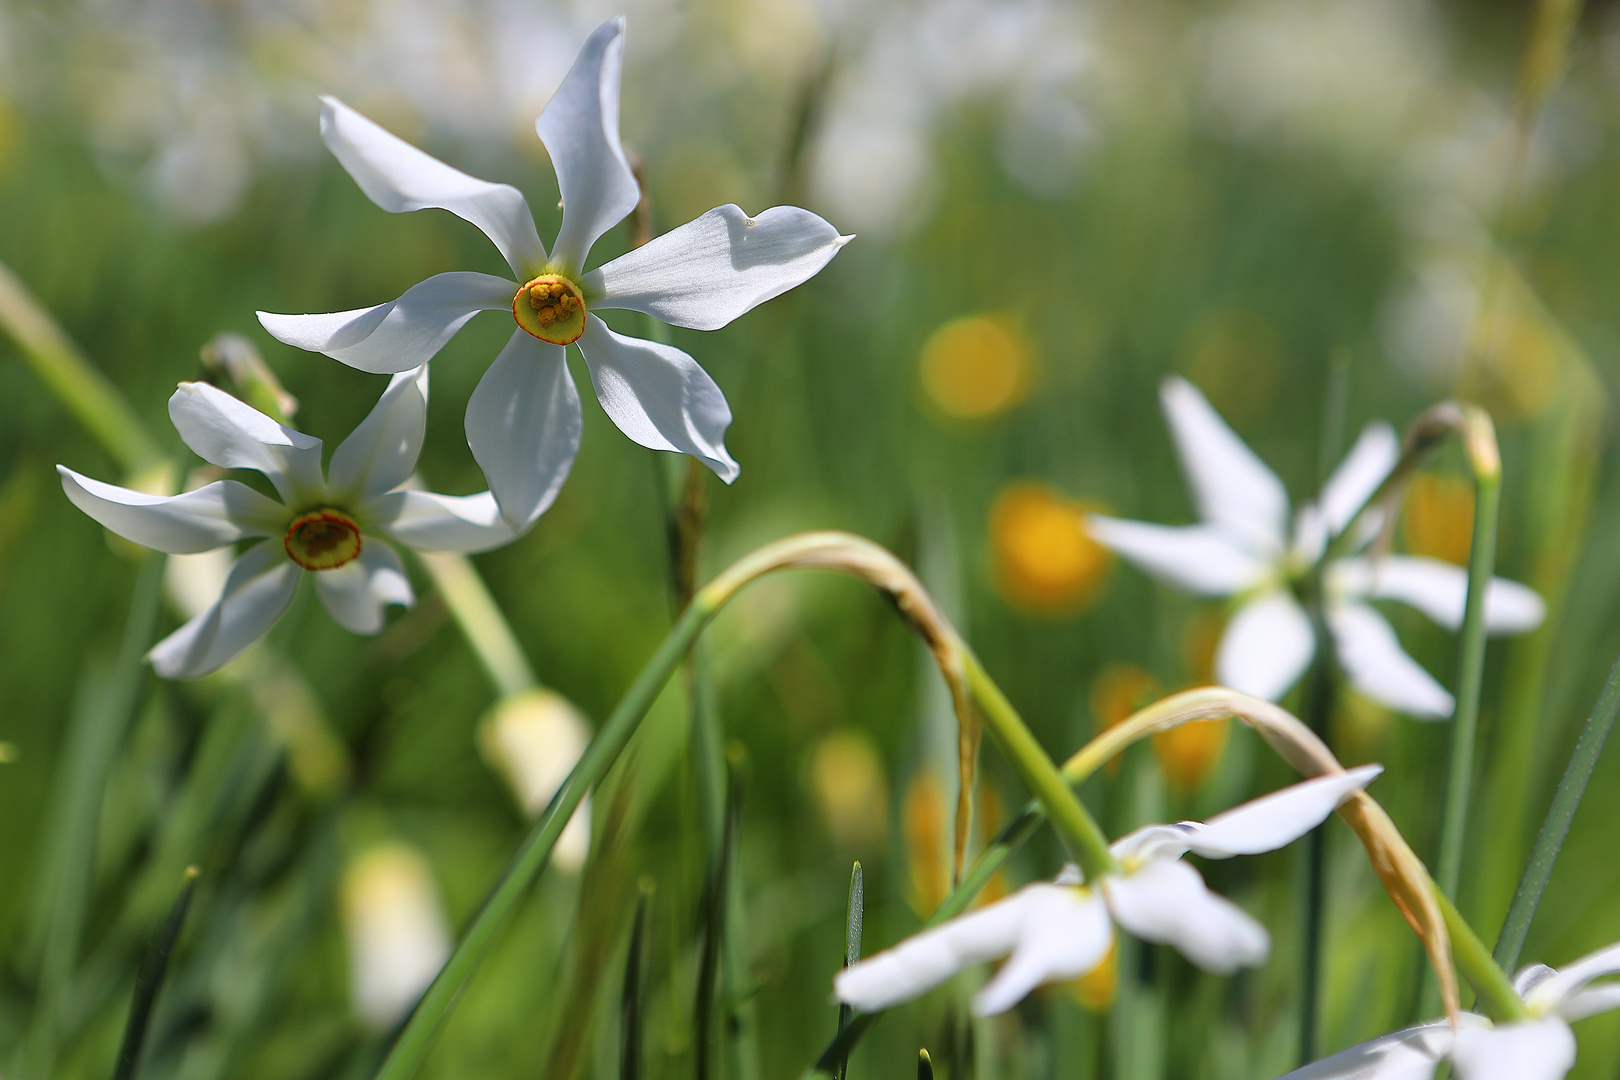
523 424
210 517
1230 485
1064 934
430 522
1535 1050
1359 474
1584 1003
1198 558
225 432
1278 819
398 177
925 960
1529 977
580 127
381 453
711 270
659 396
1266 646
1411 1054
257 591
1372 657
1549 991
1165 901
355 593
1440 590
401 334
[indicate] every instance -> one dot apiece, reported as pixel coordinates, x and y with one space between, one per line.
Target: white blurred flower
396 929
1541 1048
331 524
534 740
1063 929
523 420
1243 548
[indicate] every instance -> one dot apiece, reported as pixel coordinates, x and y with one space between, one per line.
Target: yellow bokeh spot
1438 518
924 822
1118 691
1200 640
1045 561
1187 753
1095 989
977 366
846 777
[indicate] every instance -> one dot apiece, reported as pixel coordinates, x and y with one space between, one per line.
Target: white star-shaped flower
1540 1048
1062 929
523 420
331 525
1242 548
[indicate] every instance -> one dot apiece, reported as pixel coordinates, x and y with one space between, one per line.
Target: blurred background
1305 206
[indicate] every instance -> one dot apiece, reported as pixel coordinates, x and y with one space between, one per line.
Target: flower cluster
523 419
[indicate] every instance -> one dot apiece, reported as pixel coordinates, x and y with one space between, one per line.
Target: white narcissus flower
332 525
1242 548
523 420
1540 1048
1062 929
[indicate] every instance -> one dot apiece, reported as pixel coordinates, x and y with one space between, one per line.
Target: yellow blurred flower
1438 517
1199 642
1044 559
1095 989
846 778
977 366
926 814
1188 753
397 934
1117 692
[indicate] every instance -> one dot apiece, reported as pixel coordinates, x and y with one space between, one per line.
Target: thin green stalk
1078 830
149 980
416 1038
853 920
1550 840
1470 672
93 746
630 1021
1319 706
714 929
88 394
1490 982
481 622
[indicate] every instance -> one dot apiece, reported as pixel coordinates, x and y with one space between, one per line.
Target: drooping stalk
1550 840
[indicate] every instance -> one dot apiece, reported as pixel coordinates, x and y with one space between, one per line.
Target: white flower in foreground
331 525
1242 548
1541 1048
523 420
1062 929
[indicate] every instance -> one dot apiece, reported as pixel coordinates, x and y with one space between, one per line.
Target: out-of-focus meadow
1301 205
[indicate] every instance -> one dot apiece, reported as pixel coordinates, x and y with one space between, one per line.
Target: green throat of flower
552 308
323 539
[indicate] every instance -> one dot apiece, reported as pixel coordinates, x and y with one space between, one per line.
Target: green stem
417 1037
149 980
1077 828
1470 672
481 622
1490 982
1566 800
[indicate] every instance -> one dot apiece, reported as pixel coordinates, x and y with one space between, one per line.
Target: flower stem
1566 800
1490 982
481 622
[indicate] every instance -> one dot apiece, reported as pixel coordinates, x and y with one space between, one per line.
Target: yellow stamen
323 539
551 308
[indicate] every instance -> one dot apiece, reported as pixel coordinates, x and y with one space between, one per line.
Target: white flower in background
534 740
523 420
1541 1048
1242 548
1063 929
397 933
332 525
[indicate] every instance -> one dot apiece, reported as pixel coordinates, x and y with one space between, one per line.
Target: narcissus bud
533 740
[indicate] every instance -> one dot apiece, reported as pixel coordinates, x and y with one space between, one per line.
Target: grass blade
1550 840
852 948
925 1066
149 980
714 923
630 1021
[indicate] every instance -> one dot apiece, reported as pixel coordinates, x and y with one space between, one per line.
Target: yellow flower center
323 539
551 308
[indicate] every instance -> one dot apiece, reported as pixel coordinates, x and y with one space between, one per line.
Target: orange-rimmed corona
551 308
323 539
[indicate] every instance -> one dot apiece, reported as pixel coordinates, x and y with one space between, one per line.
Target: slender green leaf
149 980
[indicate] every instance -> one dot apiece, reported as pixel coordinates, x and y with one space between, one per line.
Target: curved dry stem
1405 877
